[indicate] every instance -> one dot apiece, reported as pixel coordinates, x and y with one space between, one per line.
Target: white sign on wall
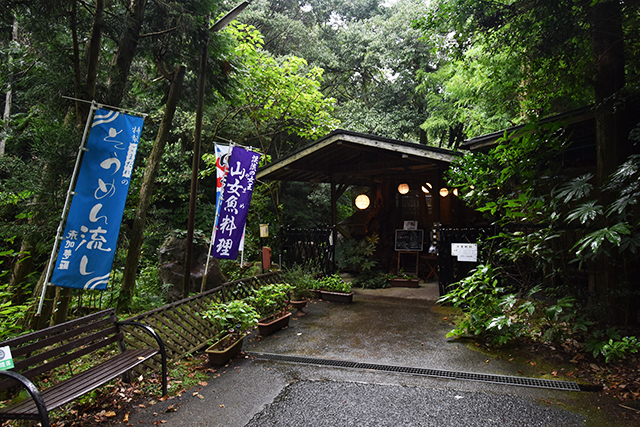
466 252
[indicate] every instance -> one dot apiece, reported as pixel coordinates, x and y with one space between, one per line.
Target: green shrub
236 315
371 280
335 283
489 311
270 299
620 349
302 279
358 254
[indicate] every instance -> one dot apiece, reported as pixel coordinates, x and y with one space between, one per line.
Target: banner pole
206 266
65 209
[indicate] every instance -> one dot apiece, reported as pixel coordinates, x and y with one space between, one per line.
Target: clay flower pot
299 305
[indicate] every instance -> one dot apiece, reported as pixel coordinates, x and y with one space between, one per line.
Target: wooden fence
180 325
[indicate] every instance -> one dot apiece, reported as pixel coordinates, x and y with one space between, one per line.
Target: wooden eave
575 120
351 158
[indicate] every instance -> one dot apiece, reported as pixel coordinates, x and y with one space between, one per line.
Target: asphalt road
388 327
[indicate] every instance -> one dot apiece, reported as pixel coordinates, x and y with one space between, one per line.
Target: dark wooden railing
180 324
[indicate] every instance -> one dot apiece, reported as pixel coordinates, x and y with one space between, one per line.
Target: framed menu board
409 240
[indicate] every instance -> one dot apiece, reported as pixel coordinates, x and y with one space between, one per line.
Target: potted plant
271 303
302 282
403 280
335 289
231 320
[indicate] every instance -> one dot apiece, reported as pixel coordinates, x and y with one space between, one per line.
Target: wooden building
403 181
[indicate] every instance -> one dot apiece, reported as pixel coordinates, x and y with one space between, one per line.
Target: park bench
92 338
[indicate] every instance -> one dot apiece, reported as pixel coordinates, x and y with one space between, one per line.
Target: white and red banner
233 204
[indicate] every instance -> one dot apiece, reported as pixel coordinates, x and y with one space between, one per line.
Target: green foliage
613 227
308 205
371 279
357 254
271 299
562 321
148 293
302 279
279 93
620 349
539 213
237 316
10 315
474 95
512 184
488 42
335 283
490 312
231 269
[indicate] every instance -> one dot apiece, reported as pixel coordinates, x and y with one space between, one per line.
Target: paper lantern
362 201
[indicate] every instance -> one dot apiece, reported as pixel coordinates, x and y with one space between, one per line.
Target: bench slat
68 390
69 334
56 356
52 330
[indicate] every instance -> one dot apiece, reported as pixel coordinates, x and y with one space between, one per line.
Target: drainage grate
437 373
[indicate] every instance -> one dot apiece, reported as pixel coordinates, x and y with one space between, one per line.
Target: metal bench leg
33 391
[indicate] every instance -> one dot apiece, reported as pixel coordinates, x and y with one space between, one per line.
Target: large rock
171 266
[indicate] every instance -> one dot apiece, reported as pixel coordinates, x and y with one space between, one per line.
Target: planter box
337 297
270 325
220 357
404 283
317 293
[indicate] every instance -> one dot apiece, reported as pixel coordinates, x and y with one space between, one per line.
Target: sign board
409 240
466 252
6 361
93 224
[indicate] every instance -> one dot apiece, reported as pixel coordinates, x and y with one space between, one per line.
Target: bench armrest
33 391
148 329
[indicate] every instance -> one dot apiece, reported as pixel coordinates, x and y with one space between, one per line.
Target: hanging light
455 192
403 188
362 201
444 192
427 187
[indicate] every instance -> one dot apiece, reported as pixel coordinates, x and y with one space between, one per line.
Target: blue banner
92 227
234 203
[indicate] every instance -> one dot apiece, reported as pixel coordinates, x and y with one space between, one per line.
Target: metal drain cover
437 373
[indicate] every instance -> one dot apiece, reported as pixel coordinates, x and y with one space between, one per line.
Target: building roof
574 119
356 159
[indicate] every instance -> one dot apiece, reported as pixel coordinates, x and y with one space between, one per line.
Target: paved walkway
400 327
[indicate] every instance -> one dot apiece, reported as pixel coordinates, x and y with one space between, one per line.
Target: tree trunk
8 98
119 72
607 44
60 306
33 320
77 74
93 54
21 270
146 191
